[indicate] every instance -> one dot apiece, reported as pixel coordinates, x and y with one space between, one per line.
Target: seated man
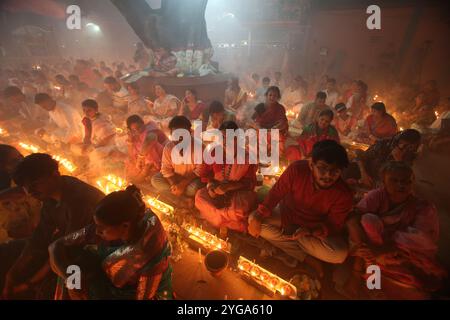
145 147
310 111
118 94
26 114
402 147
19 212
314 204
235 96
331 92
99 135
378 125
218 115
136 102
229 195
419 115
260 94
440 130
65 121
294 95
318 131
9 158
177 179
397 231
344 122
68 205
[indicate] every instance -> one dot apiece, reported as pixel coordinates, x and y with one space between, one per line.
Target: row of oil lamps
67 164
266 278
209 241
111 183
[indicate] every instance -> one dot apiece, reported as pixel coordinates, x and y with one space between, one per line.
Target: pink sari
413 228
242 202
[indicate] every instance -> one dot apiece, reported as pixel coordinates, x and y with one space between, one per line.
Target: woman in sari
124 255
272 115
145 148
379 125
229 196
397 231
192 108
318 131
165 105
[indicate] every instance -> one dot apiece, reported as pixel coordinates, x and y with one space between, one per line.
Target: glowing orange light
206 239
119 130
159 205
290 113
111 183
266 278
69 166
277 171
361 146
3 132
29 147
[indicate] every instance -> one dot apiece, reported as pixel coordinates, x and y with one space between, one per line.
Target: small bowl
216 261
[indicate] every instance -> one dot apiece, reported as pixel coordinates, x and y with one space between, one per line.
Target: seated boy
178 181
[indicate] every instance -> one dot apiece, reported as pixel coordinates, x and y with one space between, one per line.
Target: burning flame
291 113
206 239
361 146
159 205
3 132
119 130
436 114
266 278
277 171
376 98
111 183
29 147
69 166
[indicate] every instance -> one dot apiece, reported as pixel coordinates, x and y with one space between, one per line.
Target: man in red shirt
313 202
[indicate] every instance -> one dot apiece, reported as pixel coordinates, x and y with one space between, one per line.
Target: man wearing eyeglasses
313 202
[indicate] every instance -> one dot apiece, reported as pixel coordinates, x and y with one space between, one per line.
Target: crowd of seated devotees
310 215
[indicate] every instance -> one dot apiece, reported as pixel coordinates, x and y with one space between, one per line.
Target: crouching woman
123 255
